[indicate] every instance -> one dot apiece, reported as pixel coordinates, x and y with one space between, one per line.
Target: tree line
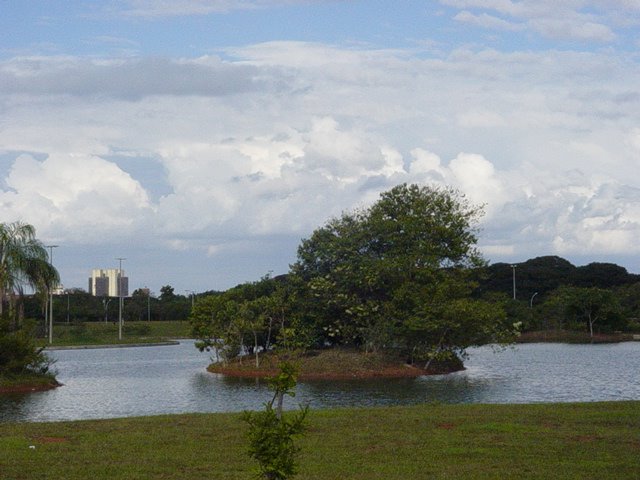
552 294
76 305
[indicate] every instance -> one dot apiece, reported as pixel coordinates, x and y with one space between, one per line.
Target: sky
201 140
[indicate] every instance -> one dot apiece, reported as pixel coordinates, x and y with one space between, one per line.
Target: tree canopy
398 276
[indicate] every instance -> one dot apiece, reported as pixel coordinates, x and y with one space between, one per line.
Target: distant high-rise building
107 283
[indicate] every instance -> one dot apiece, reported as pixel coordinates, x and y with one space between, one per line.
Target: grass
581 441
100 333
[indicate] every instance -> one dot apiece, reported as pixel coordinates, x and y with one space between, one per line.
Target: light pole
191 294
148 304
513 267
51 247
120 259
531 301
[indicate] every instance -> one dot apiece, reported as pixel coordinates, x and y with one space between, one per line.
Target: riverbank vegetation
591 440
395 278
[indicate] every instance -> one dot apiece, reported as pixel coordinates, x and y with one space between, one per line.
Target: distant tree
590 306
172 306
138 306
539 275
167 293
602 275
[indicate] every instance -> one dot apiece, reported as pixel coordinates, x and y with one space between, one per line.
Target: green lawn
100 333
577 441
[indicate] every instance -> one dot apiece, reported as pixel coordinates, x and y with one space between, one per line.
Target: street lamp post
192 295
51 247
148 304
120 259
513 267
531 301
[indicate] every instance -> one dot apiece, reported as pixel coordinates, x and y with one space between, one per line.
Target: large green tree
399 275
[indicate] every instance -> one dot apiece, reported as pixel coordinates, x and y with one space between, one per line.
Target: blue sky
202 139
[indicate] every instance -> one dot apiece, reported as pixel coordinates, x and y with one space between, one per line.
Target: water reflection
110 383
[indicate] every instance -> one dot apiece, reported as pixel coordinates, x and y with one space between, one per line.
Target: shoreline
29 388
113 345
334 364
407 372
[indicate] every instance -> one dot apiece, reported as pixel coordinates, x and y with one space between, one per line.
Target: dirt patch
408 372
28 388
332 364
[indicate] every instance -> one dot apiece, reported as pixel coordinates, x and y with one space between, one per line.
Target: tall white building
106 283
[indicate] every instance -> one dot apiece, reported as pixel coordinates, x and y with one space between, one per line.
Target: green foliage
271 433
399 275
18 353
23 262
248 318
588 306
601 275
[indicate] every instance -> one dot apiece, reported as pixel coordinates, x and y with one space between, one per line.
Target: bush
19 354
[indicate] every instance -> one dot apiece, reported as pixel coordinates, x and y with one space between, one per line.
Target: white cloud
480 119
128 78
485 20
584 20
74 197
170 8
550 143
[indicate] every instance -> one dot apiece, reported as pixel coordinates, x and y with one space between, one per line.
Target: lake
121 382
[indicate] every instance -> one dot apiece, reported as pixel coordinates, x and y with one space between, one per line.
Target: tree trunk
255 348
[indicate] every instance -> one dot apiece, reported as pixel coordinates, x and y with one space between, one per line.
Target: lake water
108 383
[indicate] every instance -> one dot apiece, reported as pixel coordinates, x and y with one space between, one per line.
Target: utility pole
51 247
192 294
148 303
513 266
120 259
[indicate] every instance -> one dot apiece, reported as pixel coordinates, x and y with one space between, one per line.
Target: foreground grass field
100 333
578 441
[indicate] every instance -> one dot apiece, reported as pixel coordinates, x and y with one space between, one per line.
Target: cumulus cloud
547 141
74 196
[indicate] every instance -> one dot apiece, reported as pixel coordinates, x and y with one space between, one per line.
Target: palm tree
23 263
